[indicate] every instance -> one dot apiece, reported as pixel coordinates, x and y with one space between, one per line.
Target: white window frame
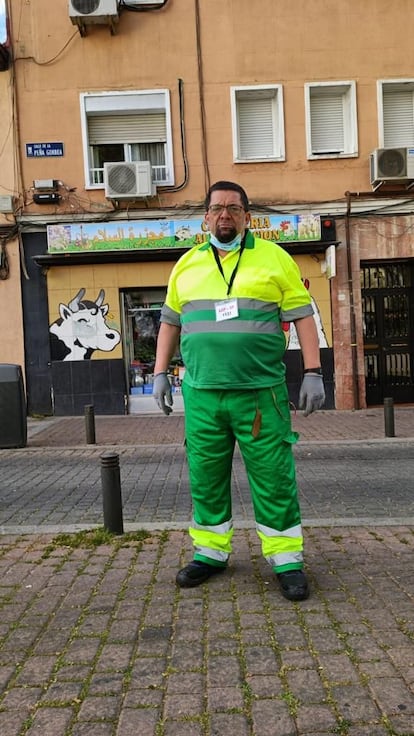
119 103
398 85
347 89
265 91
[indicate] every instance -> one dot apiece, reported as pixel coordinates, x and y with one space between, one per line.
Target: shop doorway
141 311
387 292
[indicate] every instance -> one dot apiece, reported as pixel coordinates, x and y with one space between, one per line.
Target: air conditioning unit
85 12
124 180
391 165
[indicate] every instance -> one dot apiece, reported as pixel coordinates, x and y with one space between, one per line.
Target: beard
227 236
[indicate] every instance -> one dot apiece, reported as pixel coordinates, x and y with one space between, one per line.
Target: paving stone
98 708
392 695
355 703
319 715
225 698
183 706
272 716
114 657
36 670
12 722
261 661
21 698
182 728
185 683
307 685
134 721
89 728
229 723
50 721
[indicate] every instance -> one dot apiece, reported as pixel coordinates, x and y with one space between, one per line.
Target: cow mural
292 341
82 329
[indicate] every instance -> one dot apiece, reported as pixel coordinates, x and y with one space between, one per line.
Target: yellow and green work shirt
235 340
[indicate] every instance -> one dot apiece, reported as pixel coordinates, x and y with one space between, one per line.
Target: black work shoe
294 585
196 573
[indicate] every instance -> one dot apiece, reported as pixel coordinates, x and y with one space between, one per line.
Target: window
3 24
331 119
257 122
396 113
127 126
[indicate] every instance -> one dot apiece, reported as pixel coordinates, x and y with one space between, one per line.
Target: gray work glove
312 393
161 391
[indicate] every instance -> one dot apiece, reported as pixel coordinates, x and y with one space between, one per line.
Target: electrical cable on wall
4 258
183 144
4 261
207 179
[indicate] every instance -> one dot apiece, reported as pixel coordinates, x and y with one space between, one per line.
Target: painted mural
151 234
292 342
82 328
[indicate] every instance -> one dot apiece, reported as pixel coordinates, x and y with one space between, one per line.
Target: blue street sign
44 150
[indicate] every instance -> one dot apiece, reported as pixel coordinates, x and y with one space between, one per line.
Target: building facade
119 115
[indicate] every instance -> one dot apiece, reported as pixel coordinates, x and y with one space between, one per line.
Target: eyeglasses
232 209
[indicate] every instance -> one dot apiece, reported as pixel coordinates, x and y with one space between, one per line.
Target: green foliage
92 538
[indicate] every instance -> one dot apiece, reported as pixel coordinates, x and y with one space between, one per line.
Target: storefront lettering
163 234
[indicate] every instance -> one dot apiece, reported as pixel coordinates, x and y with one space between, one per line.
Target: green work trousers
259 421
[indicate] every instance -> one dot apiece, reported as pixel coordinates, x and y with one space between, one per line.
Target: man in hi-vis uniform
226 300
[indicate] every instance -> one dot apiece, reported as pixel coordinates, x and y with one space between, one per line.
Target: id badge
227 309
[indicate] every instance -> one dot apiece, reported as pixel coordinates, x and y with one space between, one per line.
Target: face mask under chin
232 245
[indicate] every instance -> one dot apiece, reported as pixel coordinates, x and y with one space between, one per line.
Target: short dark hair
227 186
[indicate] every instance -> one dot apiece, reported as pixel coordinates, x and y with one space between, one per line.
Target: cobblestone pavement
97 640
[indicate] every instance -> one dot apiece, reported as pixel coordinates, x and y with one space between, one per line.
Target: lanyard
220 267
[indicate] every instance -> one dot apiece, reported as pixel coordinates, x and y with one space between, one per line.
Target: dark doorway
387 292
36 329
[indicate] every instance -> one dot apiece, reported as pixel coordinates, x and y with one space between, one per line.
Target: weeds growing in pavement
91 538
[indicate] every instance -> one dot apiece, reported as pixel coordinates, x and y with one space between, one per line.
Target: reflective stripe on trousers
213 543
282 550
259 420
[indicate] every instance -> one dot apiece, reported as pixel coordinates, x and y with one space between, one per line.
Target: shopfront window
3 29
142 312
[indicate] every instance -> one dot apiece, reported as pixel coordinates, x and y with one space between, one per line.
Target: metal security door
387 293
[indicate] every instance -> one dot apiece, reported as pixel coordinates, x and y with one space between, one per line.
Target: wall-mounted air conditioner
144 2
391 165
124 180
86 12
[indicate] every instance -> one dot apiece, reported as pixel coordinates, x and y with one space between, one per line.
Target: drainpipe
352 319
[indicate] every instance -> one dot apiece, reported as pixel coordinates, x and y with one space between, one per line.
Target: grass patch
92 538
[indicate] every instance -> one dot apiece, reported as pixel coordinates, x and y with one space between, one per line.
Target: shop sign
163 234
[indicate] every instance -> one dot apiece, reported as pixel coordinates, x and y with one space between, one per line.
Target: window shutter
142 128
327 122
256 128
398 117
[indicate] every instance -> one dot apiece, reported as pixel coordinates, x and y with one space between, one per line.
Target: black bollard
111 493
90 424
389 417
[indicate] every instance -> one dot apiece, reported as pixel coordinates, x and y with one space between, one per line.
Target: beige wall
242 42
12 348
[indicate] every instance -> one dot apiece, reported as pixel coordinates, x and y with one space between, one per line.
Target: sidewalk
98 640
